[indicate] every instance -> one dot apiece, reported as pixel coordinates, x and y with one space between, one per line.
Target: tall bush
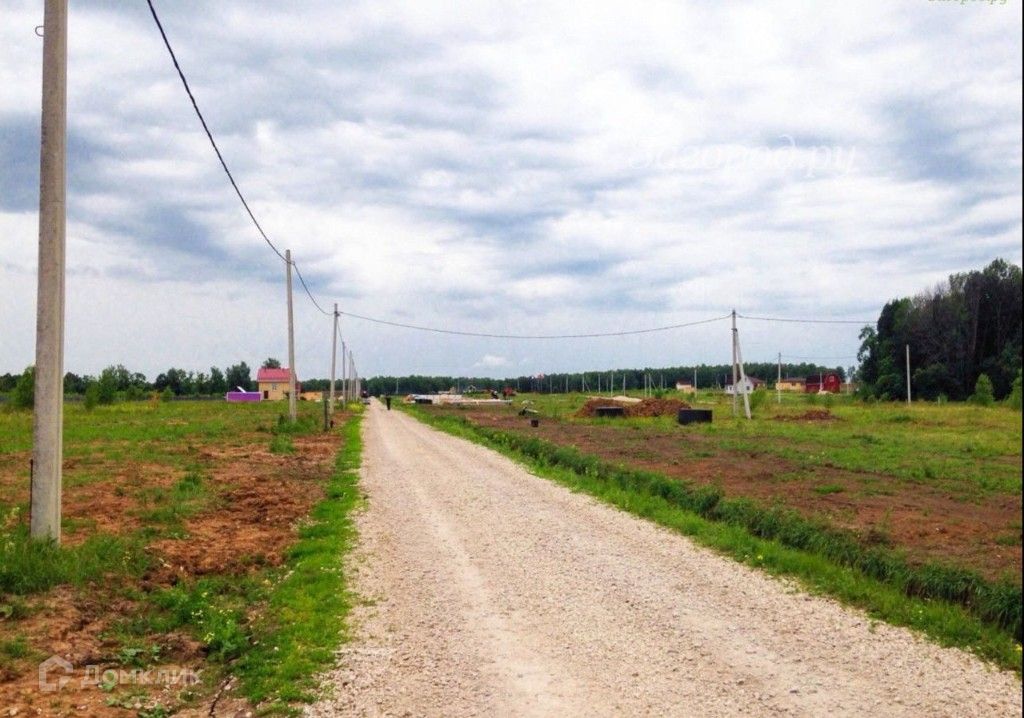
983 391
1014 399
24 394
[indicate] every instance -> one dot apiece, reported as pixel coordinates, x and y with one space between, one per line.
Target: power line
305 286
486 335
209 134
805 321
845 356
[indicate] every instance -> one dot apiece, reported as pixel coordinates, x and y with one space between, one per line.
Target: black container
610 411
535 422
695 416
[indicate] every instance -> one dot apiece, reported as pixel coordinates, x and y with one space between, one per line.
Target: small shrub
24 394
92 396
282 444
983 391
758 398
1014 399
166 394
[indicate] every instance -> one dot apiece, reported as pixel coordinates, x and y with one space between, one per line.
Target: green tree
24 395
92 396
74 384
1014 399
108 382
271 363
983 391
238 375
217 383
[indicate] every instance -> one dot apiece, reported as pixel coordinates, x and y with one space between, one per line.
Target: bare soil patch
809 415
256 502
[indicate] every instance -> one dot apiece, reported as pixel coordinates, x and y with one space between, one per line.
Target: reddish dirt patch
255 520
809 415
643 408
257 501
924 521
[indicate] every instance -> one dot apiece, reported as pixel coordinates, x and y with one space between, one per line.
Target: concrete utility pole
344 373
735 388
778 381
334 358
293 401
743 378
48 414
908 374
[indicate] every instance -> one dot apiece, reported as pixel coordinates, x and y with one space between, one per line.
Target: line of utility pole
48 414
293 400
334 358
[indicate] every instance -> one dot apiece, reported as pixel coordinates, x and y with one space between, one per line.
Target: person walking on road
387 401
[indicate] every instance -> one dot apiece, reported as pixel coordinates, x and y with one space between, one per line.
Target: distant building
273 383
752 383
311 396
829 383
791 384
685 386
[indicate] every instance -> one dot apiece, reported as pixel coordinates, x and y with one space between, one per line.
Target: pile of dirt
810 415
643 408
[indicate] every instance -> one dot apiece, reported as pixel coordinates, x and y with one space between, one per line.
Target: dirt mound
811 415
643 408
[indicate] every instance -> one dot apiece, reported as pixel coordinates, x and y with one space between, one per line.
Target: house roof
268 374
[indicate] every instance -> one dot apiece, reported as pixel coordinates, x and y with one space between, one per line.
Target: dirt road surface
491 592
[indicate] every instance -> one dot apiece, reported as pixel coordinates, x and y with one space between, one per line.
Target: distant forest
708 377
966 327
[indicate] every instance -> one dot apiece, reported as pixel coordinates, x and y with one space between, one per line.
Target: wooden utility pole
334 358
293 401
48 414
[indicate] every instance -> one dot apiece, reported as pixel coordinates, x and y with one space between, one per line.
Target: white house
752 383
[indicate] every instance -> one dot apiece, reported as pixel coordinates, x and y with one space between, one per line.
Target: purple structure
243 396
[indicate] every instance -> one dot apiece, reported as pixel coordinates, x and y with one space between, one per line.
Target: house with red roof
273 383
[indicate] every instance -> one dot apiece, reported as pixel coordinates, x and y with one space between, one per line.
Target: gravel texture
489 591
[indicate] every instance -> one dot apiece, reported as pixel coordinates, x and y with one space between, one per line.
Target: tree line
965 330
713 376
118 382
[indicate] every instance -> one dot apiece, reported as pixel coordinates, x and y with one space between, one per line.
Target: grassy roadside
302 605
305 621
981 617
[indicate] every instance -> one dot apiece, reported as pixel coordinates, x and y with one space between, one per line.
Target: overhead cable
589 335
209 134
804 321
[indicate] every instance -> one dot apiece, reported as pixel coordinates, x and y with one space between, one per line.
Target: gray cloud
518 172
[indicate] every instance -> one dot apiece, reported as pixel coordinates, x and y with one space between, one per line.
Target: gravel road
489 591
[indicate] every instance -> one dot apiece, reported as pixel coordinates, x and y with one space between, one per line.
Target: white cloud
531 171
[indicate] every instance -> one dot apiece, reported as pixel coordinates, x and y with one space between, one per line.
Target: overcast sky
510 168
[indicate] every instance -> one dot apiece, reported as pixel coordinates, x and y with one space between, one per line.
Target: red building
818 383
